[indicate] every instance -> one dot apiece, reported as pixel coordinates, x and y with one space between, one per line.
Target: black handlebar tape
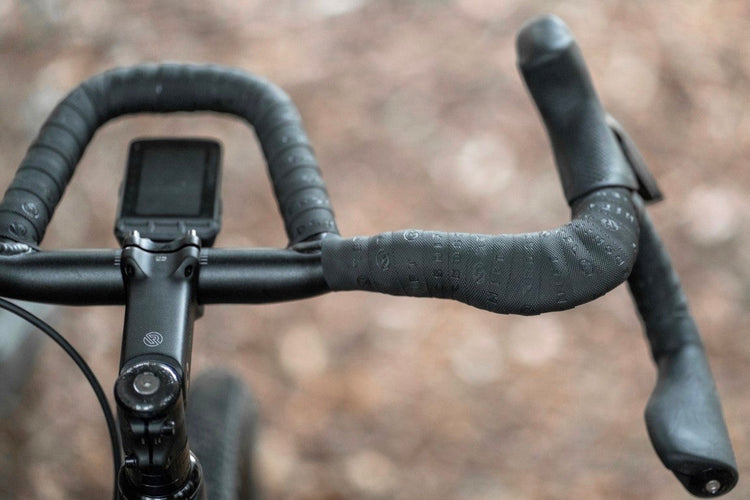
519 274
587 154
50 161
683 415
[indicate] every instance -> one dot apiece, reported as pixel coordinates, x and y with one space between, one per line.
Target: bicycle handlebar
523 274
520 274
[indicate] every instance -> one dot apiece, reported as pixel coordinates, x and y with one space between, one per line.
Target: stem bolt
713 487
147 383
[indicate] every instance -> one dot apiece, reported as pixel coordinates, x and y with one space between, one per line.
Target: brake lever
683 415
647 186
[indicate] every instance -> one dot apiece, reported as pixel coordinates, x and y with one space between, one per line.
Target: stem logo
153 339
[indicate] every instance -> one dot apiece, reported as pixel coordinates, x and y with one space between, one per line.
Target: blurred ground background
419 120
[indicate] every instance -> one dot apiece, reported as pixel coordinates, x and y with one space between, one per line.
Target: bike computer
171 187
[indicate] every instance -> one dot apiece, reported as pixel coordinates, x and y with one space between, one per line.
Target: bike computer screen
171 186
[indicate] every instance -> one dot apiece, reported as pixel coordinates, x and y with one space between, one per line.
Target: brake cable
114 437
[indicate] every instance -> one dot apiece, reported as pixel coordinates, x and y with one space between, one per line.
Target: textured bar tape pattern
50 161
587 153
520 274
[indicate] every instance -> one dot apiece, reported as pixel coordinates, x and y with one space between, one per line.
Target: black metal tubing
75 277
259 276
93 277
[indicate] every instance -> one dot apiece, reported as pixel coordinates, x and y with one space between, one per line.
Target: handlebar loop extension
50 161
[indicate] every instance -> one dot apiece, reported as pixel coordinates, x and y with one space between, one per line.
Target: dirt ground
419 119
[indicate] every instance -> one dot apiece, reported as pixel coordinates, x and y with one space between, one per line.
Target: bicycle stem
161 281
